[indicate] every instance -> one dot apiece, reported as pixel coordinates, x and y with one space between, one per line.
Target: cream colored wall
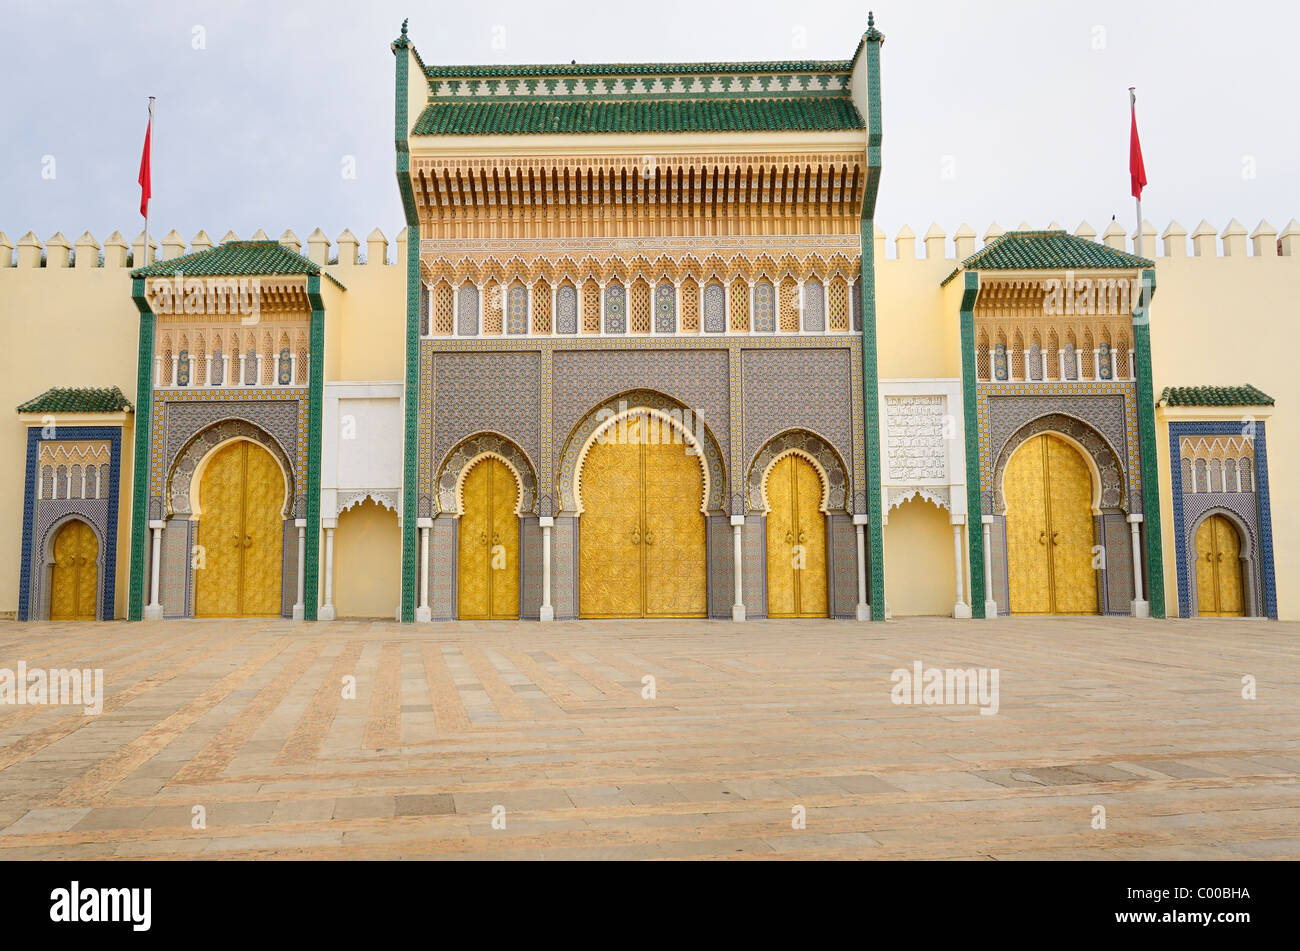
920 576
371 334
61 327
367 562
916 336
1228 321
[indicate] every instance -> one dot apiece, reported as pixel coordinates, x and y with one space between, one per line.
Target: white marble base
1139 608
961 610
153 612
738 612
990 610
547 613
864 612
327 612
299 612
424 614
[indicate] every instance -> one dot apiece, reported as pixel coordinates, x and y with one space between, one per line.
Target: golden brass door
241 530
796 541
487 563
642 550
74 581
1050 535
1219 589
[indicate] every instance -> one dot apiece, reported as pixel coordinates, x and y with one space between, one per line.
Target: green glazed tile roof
1048 250
1246 395
234 259
695 115
633 69
78 400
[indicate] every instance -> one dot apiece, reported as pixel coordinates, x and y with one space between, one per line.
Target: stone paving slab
769 739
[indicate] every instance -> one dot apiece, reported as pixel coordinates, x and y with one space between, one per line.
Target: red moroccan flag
1137 172
145 190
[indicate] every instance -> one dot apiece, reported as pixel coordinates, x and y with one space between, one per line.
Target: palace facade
642 351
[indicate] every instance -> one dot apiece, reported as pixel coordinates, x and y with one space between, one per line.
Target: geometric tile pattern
246 719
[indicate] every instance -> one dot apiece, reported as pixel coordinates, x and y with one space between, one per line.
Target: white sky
1012 97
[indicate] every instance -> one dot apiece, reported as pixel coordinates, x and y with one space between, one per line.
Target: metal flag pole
1132 104
145 251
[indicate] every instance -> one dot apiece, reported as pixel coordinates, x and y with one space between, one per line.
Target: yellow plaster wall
61 327
367 562
371 334
914 332
1228 321
920 576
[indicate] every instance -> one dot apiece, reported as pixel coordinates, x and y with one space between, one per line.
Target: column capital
1134 518
157 523
299 523
737 521
862 519
424 522
546 521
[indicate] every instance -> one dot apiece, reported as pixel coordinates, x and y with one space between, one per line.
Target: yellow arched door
796 541
241 531
487 562
1219 591
642 550
74 582
1048 491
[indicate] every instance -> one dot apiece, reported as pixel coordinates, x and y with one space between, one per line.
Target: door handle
496 539
248 541
1054 536
482 538
802 537
636 538
649 538
789 536
1218 556
1042 538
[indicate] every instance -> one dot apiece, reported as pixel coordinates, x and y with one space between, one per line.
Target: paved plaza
504 740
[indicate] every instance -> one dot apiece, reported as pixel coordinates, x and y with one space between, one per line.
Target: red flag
1137 172
145 190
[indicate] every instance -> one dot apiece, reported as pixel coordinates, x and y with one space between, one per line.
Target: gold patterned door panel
675 553
74 581
242 534
488 544
796 541
1069 512
1219 590
642 550
263 534
1048 491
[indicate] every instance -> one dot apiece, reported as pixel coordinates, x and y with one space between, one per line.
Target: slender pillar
154 611
422 610
737 564
960 608
990 605
327 611
546 522
300 605
1139 606
860 529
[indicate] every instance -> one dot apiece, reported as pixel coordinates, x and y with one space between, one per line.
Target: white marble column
422 610
990 605
960 608
300 605
327 611
737 565
546 522
153 610
1139 606
860 529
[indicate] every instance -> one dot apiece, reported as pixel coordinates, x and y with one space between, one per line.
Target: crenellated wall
1224 313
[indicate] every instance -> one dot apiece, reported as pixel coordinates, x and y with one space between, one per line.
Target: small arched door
74 582
1219 589
1050 535
487 561
241 531
796 540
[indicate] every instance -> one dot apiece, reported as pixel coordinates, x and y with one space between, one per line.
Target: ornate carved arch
827 462
621 406
1111 492
465 454
1250 587
180 480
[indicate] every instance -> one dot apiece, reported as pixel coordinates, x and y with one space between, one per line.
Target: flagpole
145 251
1132 104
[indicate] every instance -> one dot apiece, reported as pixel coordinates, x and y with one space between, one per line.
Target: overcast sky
1000 110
